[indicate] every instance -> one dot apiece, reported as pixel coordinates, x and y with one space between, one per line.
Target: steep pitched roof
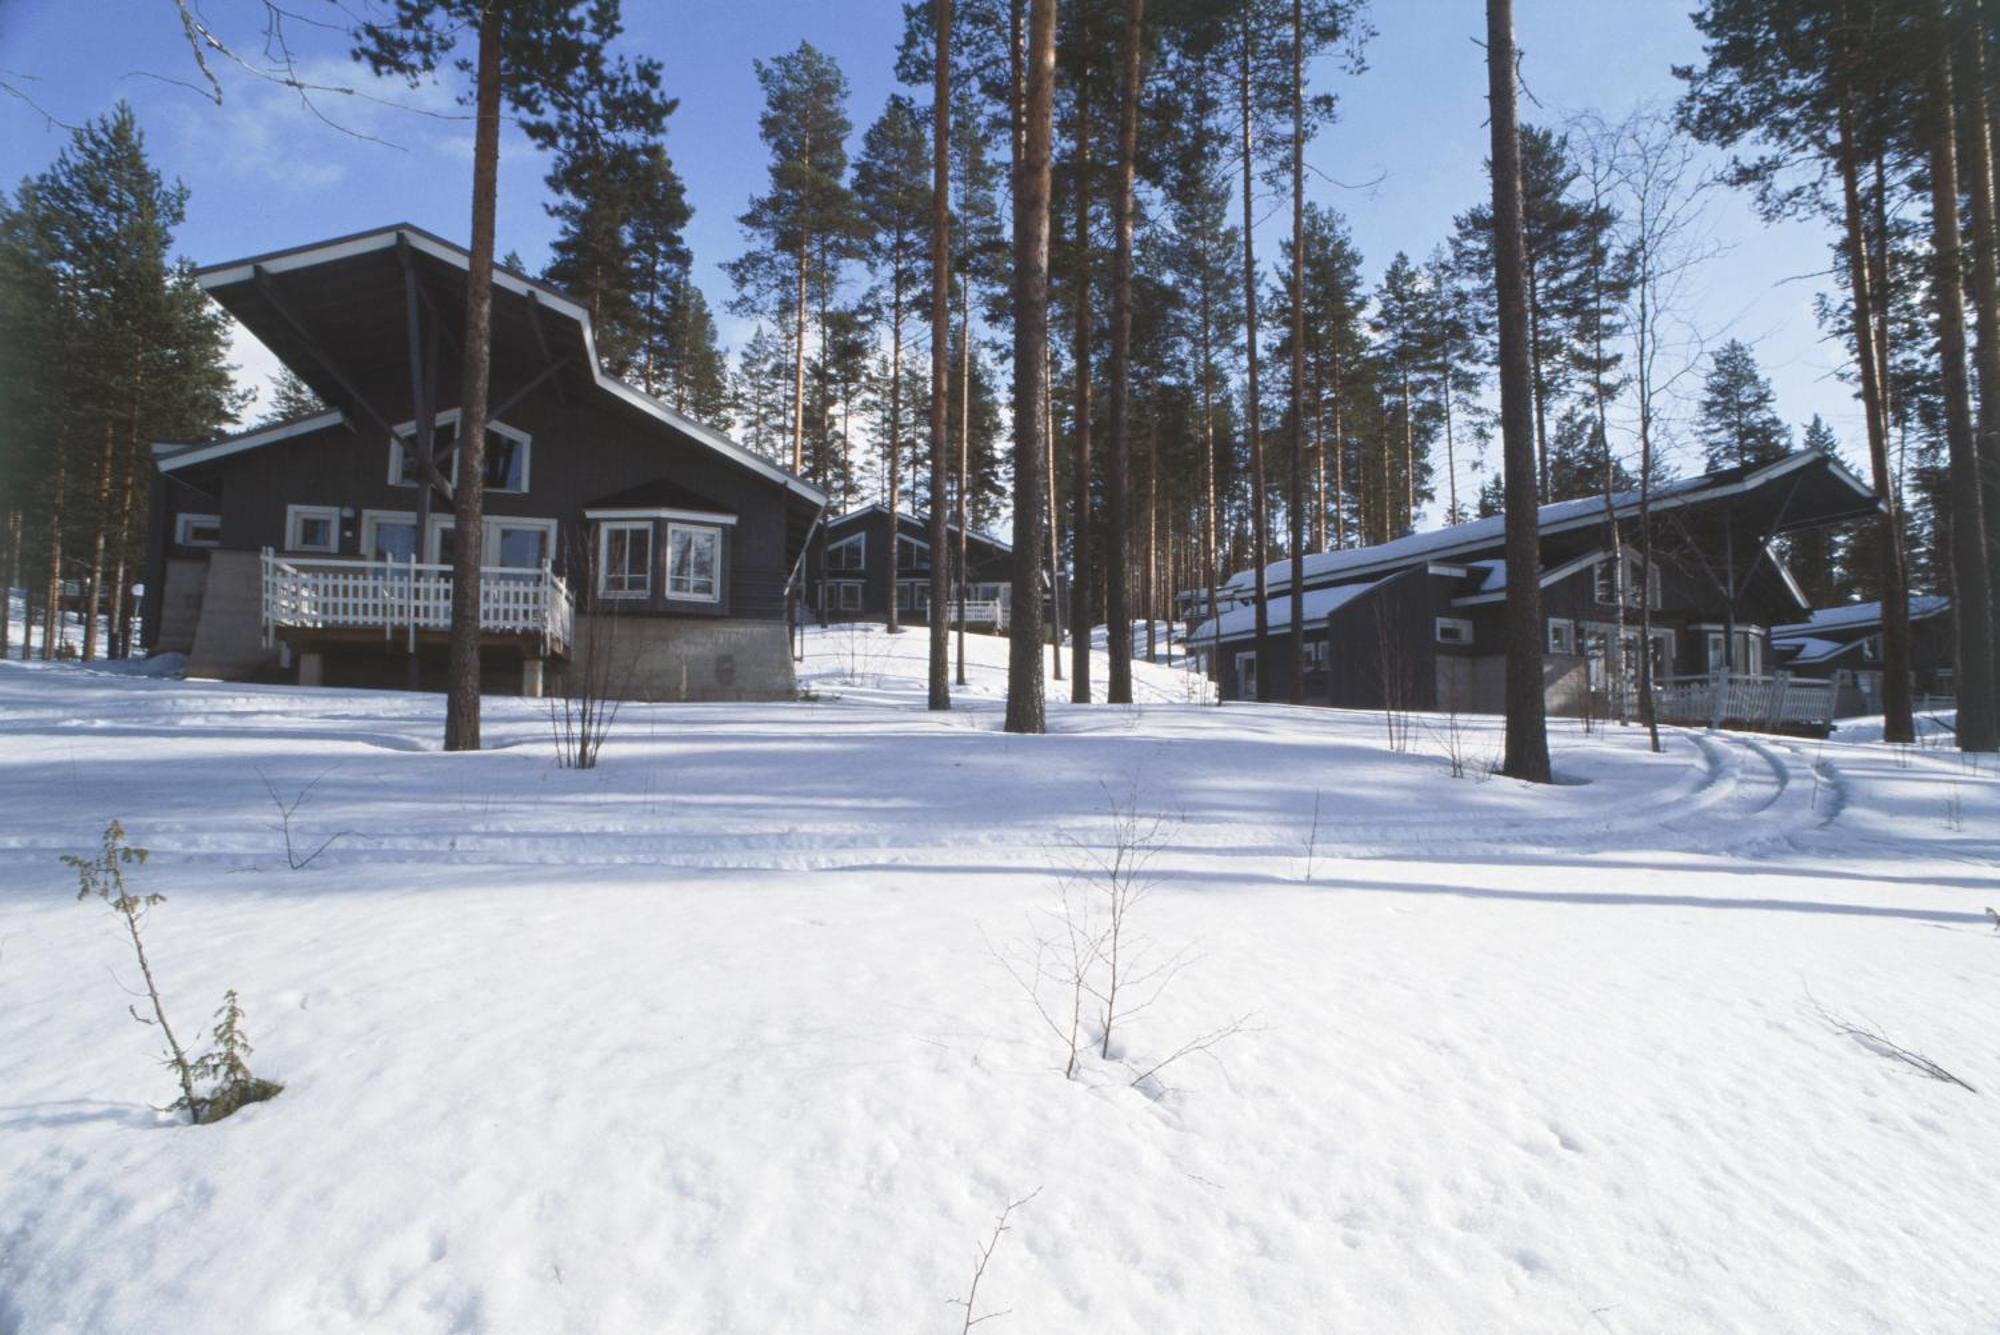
877 508
225 281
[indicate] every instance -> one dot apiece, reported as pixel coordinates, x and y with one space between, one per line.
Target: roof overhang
171 457
1841 496
257 293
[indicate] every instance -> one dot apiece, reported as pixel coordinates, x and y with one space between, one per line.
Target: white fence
979 612
1766 702
411 596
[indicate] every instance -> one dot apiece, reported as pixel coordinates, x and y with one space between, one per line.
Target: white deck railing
412 596
1767 702
979 612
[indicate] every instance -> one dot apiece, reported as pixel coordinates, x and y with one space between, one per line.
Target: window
1871 648
1316 655
1603 586
913 595
912 554
312 528
198 530
848 553
1454 630
388 535
1246 675
1717 658
847 595
625 559
507 453
519 544
694 563
1562 636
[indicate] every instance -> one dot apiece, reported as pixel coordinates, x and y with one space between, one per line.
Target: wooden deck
349 601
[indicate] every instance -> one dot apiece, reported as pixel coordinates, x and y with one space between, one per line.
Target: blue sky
1405 156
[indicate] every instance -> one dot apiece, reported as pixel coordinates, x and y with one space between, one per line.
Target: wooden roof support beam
542 342
269 291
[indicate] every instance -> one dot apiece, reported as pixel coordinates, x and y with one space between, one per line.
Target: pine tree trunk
1973 604
1117 553
1031 339
1259 520
461 724
121 584
892 616
938 622
1898 724
1527 745
93 582
1054 540
1082 530
1296 507
52 603
799 358
13 578
964 453
1986 300
1151 596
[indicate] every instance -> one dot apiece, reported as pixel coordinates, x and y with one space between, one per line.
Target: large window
912 554
1639 582
312 528
848 553
625 559
694 562
846 595
507 454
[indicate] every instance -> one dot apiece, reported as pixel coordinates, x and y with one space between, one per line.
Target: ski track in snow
712 1038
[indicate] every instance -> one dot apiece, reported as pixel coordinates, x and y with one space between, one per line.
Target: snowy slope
713 1038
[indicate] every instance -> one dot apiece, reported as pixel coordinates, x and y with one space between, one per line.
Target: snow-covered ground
716 1037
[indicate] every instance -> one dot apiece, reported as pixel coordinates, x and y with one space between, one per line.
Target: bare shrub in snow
1312 836
971 1299
1398 682
1086 960
588 690
286 810
1870 1036
1053 970
225 1067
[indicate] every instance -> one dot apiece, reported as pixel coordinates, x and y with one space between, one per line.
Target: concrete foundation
180 604
312 669
228 634
531 678
673 658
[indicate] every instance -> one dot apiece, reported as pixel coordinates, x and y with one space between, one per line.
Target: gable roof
906 516
228 282
1481 535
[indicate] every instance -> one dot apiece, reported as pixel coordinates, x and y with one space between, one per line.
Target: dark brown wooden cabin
613 524
1418 622
850 572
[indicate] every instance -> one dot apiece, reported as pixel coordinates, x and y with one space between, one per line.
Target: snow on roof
1240 621
876 507
1856 616
1460 539
1812 650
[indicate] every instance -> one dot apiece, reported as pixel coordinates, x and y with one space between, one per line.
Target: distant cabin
1843 645
321 549
861 559
1418 622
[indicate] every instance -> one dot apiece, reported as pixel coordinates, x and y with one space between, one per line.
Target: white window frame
605 528
915 543
859 542
493 525
714 535
406 431
185 523
296 514
841 589
371 520
1462 625
1565 641
1246 672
